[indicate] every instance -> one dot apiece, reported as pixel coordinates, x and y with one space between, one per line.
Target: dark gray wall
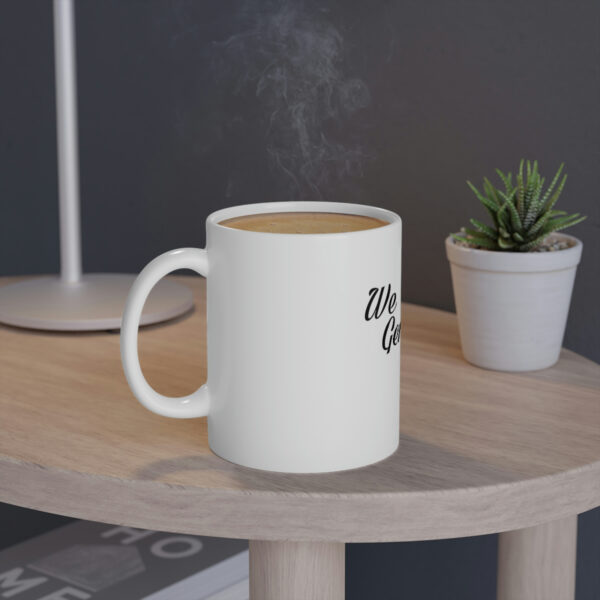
190 106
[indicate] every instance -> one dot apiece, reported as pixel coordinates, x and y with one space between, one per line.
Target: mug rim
365 210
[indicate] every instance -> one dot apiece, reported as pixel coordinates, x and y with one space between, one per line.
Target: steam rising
290 60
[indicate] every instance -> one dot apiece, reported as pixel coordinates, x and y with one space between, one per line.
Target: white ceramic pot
512 306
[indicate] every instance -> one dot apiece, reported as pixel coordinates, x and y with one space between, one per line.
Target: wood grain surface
538 563
481 451
297 570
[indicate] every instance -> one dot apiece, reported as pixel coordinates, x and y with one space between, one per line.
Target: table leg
297 571
538 563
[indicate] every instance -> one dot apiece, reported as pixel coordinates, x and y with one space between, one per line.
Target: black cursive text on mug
381 301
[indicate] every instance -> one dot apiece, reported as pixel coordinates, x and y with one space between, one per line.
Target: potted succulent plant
513 279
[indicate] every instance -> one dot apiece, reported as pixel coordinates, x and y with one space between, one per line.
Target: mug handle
184 407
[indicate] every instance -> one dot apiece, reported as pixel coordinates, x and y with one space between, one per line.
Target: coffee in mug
303 332
303 222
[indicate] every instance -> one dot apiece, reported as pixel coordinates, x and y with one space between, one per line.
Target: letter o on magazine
191 546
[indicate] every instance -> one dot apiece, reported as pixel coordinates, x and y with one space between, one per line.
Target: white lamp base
94 303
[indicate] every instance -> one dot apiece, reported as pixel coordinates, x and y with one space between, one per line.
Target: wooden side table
481 452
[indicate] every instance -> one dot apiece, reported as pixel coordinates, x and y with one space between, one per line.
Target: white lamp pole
67 140
76 302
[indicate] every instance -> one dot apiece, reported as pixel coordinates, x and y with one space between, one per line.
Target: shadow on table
415 466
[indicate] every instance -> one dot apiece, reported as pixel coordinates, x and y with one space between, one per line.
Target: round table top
480 452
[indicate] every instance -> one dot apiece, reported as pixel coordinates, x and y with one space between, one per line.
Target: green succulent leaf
529 188
520 192
553 184
483 228
554 198
474 233
490 204
537 226
534 202
461 238
506 179
509 195
514 213
485 243
532 244
490 191
479 242
562 223
505 244
532 213
502 217
538 191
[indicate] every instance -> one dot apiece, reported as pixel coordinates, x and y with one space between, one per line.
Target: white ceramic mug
303 341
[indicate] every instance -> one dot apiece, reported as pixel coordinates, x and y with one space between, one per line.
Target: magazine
86 560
